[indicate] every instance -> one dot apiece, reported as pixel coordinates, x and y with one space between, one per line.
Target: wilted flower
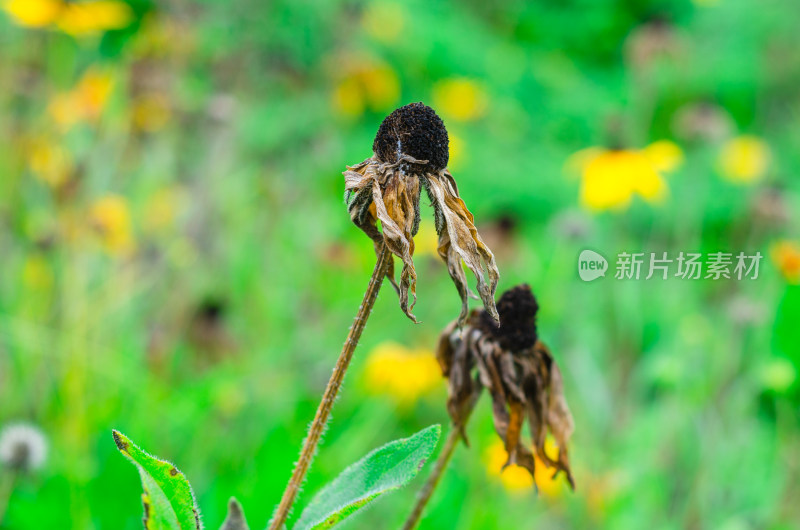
743 310
410 153
519 373
572 225
770 207
402 373
652 41
744 159
23 447
702 121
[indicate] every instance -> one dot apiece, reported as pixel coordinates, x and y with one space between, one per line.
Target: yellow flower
33 13
348 98
576 162
49 162
612 177
86 18
400 372
381 87
111 218
74 18
460 99
373 86
786 255
456 151
744 159
517 479
86 101
666 156
384 21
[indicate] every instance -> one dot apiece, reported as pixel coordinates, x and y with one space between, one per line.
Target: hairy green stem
329 396
442 461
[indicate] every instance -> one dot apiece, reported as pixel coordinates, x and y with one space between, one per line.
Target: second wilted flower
519 373
411 153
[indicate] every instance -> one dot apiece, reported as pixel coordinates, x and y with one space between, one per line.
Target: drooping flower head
23 447
516 368
410 153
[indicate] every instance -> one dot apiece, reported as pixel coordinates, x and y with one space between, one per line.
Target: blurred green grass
203 315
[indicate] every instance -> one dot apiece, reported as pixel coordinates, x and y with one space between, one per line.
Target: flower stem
6 490
328 398
426 492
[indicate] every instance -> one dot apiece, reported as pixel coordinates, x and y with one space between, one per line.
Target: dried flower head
23 447
410 153
520 374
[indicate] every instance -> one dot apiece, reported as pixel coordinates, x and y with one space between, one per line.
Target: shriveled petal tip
459 241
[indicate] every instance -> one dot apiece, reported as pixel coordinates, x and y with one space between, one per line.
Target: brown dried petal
459 240
375 191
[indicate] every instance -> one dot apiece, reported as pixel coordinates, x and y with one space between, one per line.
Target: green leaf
168 498
235 519
384 469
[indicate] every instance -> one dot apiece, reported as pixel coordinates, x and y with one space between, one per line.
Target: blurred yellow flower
426 242
74 18
612 177
33 13
744 159
86 101
37 274
384 21
111 218
786 255
460 99
400 372
517 479
666 156
86 18
150 112
456 151
49 162
374 86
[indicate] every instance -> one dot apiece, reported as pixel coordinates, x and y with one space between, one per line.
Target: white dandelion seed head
23 447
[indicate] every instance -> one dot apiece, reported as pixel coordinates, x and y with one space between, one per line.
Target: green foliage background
686 417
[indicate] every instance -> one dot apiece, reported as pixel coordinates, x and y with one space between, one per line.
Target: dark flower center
517 309
414 130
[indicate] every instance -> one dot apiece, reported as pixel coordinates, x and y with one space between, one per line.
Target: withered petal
459 241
